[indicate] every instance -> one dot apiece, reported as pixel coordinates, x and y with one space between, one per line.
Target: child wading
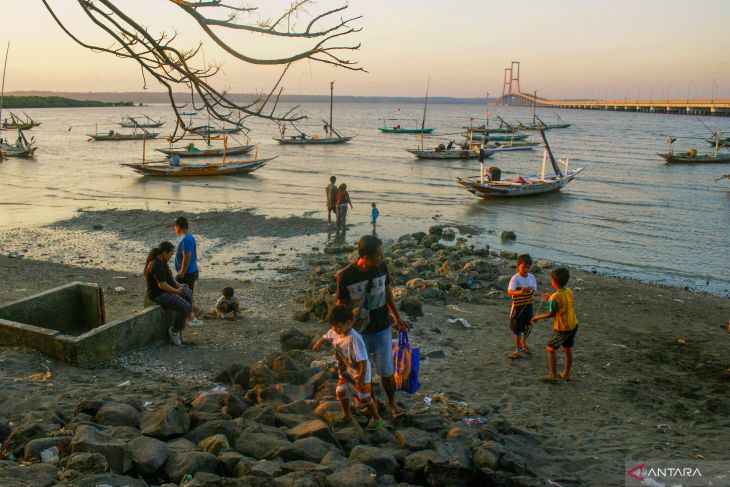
374 214
522 287
352 364
562 307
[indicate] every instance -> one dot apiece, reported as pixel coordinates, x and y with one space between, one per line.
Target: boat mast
2 92
425 104
332 90
534 107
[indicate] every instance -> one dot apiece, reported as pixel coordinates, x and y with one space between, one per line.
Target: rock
229 460
263 446
339 249
244 466
299 315
214 444
502 282
124 433
148 454
225 427
168 419
358 475
97 226
412 307
89 440
183 462
33 448
337 461
38 475
405 238
181 444
448 234
328 410
305 466
266 468
482 457
107 479
261 374
86 463
234 374
415 464
418 235
381 460
508 235
380 436
437 474
291 369
455 452
118 414
314 448
511 462
88 406
506 254
429 241
33 425
289 420
301 479
435 354
351 436
414 439
261 414
211 401
544 264
314 428
205 478
460 293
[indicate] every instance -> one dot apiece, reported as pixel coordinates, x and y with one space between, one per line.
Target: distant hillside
159 97
11 101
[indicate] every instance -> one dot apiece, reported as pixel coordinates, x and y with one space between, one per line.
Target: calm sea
627 214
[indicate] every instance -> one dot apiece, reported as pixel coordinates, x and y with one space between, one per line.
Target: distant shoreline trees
57 102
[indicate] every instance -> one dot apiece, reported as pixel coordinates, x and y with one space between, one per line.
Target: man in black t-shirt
369 273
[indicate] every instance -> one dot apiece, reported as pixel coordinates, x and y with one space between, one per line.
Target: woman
342 199
165 291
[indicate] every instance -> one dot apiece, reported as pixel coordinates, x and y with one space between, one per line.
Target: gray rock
412 307
315 449
301 479
484 457
351 436
86 463
337 461
357 475
148 454
306 466
183 462
124 433
290 420
181 444
511 462
414 439
211 401
107 479
205 478
118 414
168 419
261 374
214 444
414 465
33 448
448 234
266 468
447 475
38 475
506 254
293 339
380 436
229 460
436 230
328 410
456 453
303 316
261 414
508 235
226 427
291 368
89 440
314 428
381 460
234 374
419 235
33 425
266 447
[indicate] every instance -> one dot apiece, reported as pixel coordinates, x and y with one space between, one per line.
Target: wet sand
636 391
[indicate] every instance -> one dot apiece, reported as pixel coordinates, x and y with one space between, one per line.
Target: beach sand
636 391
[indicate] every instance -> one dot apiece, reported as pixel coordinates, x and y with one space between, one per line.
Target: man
331 191
186 262
370 274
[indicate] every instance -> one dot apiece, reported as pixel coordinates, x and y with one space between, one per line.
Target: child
374 214
561 307
227 304
521 287
352 364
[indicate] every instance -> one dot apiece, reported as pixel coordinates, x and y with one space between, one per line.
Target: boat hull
129 125
198 170
322 141
229 151
447 154
676 158
406 131
507 146
510 189
20 126
120 137
9 151
544 127
500 138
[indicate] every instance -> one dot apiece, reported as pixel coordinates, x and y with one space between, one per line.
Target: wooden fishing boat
188 114
498 138
166 169
18 123
143 122
114 136
511 146
210 130
447 153
724 142
193 151
692 157
21 148
485 187
394 127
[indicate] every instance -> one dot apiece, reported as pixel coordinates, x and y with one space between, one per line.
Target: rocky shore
247 403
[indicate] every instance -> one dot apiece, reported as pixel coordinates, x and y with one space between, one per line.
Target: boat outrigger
692 157
143 122
489 184
331 135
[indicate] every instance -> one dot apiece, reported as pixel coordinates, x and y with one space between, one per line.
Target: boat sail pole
2 92
425 104
332 91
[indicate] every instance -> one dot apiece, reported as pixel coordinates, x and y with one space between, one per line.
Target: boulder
183 462
88 439
168 419
381 460
263 446
101 479
86 463
225 427
33 448
357 475
301 479
315 449
303 316
414 465
181 444
124 433
337 461
148 454
261 374
315 427
89 406
261 414
506 254
214 444
484 457
266 468
32 425
351 436
512 462
211 402
442 474
290 420
233 374
118 414
456 453
306 466
448 234
293 339
414 439
508 235
229 460
412 307
418 235
291 368
328 410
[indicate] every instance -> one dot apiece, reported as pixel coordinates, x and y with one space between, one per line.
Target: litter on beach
475 421
126 383
460 321
620 345
663 427
428 400
454 307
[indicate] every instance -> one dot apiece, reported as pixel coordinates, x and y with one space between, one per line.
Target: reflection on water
627 213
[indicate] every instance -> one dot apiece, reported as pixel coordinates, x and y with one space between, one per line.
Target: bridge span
701 106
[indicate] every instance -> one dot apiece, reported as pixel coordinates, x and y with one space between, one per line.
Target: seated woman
162 289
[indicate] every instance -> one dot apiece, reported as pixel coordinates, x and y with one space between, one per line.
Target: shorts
189 279
519 320
563 339
373 220
380 344
226 307
345 390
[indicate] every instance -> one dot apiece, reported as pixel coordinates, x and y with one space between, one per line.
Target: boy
186 262
226 304
521 288
560 306
352 364
374 214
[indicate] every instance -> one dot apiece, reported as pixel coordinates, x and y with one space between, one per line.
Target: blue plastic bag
407 364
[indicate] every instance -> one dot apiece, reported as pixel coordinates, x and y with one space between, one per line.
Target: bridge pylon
511 83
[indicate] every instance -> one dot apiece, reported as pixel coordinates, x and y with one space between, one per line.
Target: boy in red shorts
562 308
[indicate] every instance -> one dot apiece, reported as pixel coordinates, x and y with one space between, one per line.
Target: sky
566 48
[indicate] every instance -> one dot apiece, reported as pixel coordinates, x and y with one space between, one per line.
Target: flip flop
336 423
375 425
548 379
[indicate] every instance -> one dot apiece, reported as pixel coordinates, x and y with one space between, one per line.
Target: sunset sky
567 48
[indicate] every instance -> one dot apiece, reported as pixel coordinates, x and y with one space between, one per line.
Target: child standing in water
374 214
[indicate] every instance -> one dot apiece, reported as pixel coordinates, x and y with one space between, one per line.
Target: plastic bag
407 364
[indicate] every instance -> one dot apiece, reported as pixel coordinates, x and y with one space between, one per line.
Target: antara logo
638 472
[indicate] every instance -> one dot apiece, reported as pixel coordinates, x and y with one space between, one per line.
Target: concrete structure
703 106
68 323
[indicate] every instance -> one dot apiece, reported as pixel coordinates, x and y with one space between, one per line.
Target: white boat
22 147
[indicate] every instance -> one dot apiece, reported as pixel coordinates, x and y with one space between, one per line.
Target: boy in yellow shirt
562 308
